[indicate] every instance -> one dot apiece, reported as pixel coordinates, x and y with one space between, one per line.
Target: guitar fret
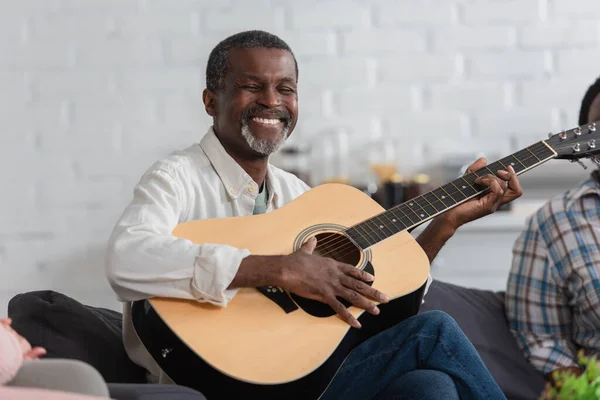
374 228
383 226
513 162
425 206
358 238
468 189
409 206
533 154
434 201
368 236
444 197
457 196
395 227
402 218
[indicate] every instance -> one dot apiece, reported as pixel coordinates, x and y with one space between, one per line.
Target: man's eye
252 88
286 90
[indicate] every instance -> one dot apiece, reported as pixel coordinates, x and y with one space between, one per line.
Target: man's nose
270 97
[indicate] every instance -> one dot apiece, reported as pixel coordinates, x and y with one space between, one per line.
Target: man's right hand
324 279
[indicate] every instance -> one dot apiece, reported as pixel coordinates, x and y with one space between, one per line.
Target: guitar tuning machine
563 135
580 163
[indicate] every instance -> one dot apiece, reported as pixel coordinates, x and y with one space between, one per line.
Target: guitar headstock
577 143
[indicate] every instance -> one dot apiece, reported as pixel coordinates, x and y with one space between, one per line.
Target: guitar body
266 342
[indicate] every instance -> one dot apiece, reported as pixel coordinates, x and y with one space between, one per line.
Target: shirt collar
590 186
233 176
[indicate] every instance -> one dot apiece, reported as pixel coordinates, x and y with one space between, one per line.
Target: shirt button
252 188
232 192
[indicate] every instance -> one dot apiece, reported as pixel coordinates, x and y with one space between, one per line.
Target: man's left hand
504 188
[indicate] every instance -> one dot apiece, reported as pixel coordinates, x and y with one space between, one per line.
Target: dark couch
69 329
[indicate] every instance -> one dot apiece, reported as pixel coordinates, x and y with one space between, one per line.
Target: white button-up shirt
144 259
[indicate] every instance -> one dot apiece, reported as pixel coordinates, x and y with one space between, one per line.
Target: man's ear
210 102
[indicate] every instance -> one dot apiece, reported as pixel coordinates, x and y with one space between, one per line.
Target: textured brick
337 72
560 34
469 97
377 101
480 38
587 11
576 63
73 26
417 68
156 25
382 41
240 18
431 12
115 53
161 81
36 55
329 14
554 92
501 11
510 64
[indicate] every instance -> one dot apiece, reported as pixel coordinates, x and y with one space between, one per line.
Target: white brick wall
93 91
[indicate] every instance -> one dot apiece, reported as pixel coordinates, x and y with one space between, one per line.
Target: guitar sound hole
339 248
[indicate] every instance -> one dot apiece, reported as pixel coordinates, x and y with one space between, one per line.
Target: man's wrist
444 227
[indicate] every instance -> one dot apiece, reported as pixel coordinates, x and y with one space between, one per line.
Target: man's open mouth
266 121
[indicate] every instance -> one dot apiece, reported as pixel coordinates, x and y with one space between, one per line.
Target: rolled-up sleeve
144 259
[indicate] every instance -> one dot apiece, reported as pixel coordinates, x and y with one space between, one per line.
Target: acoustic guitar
272 344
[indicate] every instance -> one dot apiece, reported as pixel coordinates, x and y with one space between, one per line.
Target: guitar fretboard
422 208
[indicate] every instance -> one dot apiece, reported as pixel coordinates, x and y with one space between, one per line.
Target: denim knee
439 320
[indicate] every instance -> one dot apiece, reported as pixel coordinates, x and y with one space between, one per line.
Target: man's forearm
435 235
255 271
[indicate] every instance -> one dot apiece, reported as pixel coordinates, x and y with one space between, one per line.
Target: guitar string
340 238
332 247
330 239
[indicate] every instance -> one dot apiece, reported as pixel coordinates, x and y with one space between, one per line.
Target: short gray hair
218 60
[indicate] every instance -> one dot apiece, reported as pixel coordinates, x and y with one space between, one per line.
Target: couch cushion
480 314
124 391
69 329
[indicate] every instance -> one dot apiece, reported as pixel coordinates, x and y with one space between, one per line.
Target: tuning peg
580 163
577 131
592 144
563 135
577 147
592 127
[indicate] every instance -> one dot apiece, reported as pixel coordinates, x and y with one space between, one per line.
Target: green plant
568 386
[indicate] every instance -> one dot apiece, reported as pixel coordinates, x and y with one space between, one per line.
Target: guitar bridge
279 297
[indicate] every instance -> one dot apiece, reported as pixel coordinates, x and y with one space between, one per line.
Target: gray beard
262 146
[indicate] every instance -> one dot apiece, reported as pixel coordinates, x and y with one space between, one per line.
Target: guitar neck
421 209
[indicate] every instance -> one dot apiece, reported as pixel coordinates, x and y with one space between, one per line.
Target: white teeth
266 121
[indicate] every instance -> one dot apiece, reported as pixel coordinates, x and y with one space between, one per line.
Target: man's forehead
255 62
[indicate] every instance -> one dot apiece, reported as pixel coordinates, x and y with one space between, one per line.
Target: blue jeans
424 357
